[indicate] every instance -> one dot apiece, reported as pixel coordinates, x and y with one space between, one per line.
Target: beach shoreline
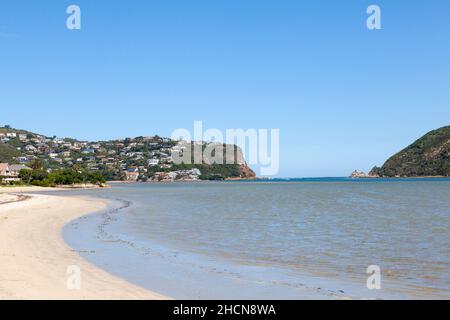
35 261
45 234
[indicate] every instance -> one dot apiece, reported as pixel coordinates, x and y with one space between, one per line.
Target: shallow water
305 239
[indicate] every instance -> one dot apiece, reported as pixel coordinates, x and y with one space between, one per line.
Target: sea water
297 239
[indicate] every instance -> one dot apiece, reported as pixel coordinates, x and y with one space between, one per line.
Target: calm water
283 236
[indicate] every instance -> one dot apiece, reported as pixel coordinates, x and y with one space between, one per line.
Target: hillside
132 159
8 153
428 156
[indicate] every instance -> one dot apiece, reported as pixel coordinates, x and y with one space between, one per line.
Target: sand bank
36 263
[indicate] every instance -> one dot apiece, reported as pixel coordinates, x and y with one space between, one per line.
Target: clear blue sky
343 97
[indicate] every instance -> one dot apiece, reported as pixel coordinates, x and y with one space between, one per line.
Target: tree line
38 176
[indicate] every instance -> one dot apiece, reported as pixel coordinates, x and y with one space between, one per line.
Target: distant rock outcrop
358 174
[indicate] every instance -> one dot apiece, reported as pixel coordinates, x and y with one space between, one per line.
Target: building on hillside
30 148
15 169
153 162
4 169
10 172
23 159
132 174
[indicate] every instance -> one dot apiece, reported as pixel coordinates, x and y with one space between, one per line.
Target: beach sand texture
35 262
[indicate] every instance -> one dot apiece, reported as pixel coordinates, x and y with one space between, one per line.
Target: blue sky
343 97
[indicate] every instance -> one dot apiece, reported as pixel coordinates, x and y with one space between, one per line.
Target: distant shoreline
109 184
309 179
25 187
412 177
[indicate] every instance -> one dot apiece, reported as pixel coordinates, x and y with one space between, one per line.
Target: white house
153 162
30 148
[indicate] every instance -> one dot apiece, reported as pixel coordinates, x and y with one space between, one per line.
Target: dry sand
35 260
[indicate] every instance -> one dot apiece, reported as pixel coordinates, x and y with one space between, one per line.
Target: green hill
428 156
7 153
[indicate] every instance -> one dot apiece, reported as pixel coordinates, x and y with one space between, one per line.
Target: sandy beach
36 263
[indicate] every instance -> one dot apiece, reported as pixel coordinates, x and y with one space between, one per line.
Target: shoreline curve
36 262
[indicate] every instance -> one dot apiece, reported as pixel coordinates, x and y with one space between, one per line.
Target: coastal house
88 151
30 148
92 166
167 160
4 169
23 159
14 169
153 162
75 147
132 174
159 176
10 172
172 175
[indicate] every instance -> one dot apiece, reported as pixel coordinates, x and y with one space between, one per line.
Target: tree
26 175
37 164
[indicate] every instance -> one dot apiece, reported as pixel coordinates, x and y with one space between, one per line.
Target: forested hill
428 156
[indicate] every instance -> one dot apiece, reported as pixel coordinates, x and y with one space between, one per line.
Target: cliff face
234 166
245 170
428 156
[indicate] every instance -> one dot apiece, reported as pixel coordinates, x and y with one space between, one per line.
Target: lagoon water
268 240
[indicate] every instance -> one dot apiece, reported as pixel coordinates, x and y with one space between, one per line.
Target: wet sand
36 263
